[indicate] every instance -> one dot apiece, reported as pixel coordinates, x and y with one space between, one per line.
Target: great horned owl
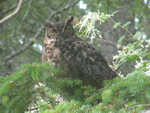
77 59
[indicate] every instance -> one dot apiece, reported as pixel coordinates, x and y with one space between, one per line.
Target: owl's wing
87 61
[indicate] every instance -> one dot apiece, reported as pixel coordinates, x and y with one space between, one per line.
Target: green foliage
42 85
36 82
126 24
120 95
129 94
132 51
121 39
116 25
18 91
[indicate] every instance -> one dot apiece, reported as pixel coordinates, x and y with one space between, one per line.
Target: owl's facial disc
60 30
51 30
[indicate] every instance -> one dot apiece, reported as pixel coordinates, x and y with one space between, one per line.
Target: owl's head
60 30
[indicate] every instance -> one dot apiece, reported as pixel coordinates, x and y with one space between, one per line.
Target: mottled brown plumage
76 58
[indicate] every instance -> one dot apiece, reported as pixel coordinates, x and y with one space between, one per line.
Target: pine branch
139 105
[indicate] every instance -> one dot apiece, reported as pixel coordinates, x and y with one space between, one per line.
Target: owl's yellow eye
54 30
66 29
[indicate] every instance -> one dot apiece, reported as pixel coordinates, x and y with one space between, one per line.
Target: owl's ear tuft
48 24
69 20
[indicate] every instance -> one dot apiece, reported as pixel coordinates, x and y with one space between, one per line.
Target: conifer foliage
39 87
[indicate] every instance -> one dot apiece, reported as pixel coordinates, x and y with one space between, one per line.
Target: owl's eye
66 29
54 30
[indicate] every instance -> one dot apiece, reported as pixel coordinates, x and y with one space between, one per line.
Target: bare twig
122 28
38 32
29 6
119 66
12 14
11 8
106 41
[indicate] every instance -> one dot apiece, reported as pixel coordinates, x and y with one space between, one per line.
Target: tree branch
11 8
29 6
39 32
12 14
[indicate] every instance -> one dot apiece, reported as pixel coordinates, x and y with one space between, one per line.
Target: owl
77 59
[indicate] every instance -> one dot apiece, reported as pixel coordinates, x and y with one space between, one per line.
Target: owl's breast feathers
80 60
